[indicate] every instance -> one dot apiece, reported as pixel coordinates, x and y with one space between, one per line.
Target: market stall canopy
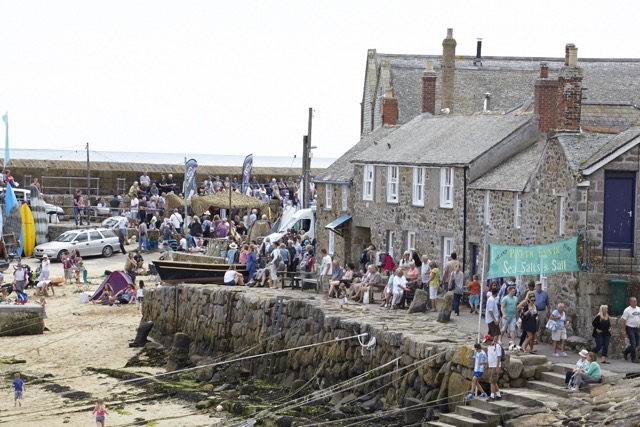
200 204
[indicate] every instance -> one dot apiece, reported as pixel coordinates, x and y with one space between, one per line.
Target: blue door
619 210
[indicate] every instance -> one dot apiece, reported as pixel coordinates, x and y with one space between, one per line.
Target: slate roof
588 148
443 139
341 171
510 80
609 117
514 174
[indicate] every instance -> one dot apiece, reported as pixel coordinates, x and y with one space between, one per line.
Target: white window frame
543 281
418 186
345 197
446 188
368 176
328 196
487 208
391 237
393 182
562 216
447 247
411 240
331 243
517 211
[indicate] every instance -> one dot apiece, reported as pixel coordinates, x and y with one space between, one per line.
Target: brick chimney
389 108
569 92
545 105
429 89
448 70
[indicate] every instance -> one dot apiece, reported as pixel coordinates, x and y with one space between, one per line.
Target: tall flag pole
5 119
246 172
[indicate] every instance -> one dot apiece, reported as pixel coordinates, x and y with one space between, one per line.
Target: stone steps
498 407
553 378
486 415
549 388
455 419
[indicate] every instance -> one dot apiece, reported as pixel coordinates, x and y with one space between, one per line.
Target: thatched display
200 204
173 201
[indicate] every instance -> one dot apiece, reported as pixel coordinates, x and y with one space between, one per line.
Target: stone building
526 151
335 205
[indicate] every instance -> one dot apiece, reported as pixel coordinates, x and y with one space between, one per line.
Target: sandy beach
82 336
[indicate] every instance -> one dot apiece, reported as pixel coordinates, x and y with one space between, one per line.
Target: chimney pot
573 56
487 102
388 93
544 70
566 52
449 33
429 65
479 49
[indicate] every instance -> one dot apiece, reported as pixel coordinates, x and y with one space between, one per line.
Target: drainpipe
464 221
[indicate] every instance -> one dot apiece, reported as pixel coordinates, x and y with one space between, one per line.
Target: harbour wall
433 360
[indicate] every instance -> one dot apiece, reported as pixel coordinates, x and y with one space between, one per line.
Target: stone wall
342 249
590 200
430 222
433 360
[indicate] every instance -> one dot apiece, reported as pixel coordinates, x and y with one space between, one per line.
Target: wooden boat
194 272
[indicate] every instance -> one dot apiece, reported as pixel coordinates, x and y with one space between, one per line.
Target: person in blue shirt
18 387
481 361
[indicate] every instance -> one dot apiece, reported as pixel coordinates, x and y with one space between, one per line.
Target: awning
337 224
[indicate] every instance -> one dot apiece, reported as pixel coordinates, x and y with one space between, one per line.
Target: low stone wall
433 362
21 319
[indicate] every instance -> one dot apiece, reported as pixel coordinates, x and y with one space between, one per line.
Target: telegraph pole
88 177
307 162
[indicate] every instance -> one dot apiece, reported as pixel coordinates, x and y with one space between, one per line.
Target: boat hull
193 272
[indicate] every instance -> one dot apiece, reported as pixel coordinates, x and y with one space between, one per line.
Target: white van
302 219
25 195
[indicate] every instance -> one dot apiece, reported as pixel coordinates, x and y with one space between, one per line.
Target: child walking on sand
100 410
18 388
140 294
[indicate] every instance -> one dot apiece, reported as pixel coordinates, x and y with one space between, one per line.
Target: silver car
93 241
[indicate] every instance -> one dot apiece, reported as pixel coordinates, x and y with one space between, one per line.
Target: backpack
304 264
503 356
363 257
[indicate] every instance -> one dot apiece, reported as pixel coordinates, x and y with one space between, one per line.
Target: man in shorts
326 270
494 352
478 370
492 314
508 304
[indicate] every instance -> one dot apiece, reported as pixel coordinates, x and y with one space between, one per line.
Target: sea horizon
165 158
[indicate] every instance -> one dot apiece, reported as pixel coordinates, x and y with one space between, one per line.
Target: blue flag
10 200
5 119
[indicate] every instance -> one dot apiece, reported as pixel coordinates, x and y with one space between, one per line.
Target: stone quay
431 361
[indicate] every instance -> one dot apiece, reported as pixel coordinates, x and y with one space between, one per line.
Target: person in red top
474 294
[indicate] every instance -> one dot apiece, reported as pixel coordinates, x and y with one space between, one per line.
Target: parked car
25 195
111 222
92 241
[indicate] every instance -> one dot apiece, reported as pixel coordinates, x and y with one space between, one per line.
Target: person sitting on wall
232 277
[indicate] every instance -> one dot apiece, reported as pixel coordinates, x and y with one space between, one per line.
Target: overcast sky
238 77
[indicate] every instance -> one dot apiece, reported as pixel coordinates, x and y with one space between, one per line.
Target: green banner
556 257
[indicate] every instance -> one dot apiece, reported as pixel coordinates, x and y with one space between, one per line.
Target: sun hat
233 245
207 213
583 353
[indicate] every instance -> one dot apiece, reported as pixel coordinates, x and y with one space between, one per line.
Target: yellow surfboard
28 230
